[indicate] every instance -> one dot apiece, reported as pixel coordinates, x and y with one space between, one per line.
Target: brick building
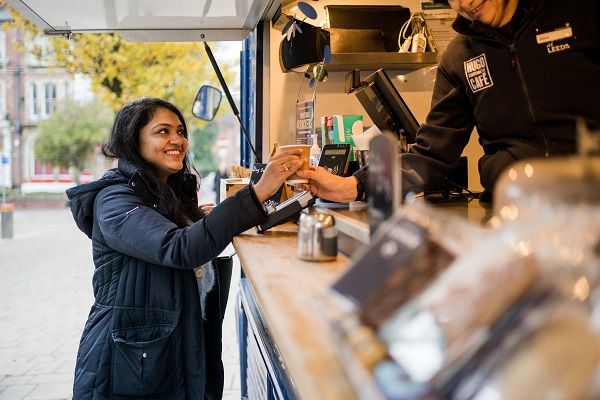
29 89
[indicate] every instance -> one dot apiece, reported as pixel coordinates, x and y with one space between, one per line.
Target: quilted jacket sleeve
131 227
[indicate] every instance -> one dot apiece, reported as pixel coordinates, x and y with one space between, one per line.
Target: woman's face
484 11
163 144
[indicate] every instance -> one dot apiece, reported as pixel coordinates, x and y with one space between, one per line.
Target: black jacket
520 90
144 334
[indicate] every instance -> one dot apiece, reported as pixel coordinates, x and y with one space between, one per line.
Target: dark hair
123 143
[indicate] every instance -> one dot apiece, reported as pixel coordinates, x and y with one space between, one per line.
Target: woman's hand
206 208
278 169
329 186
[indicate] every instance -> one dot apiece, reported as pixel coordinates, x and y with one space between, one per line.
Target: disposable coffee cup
295 179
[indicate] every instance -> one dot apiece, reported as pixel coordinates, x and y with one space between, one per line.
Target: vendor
520 71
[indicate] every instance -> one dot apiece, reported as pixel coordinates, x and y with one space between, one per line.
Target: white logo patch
478 73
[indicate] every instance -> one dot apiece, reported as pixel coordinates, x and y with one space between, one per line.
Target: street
45 296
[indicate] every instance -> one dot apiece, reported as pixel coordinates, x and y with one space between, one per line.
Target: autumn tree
201 148
70 136
121 71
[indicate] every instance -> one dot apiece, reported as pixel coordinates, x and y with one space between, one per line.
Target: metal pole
230 99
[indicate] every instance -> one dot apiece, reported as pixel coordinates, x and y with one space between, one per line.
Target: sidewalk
45 296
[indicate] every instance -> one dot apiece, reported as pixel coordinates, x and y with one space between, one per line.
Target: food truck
432 301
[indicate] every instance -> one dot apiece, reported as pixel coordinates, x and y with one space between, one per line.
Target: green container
344 126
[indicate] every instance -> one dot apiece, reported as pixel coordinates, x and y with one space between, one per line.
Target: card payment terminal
287 210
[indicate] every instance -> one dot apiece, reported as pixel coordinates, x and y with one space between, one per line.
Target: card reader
286 210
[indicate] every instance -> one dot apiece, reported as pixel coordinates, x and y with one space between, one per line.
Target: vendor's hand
327 185
206 208
278 169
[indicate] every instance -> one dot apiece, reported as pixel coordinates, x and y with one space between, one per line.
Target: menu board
304 121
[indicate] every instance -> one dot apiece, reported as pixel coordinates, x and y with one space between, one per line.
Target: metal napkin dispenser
317 237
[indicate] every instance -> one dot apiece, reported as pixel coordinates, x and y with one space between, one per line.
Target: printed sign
304 121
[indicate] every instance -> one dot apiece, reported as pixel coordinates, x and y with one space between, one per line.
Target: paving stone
16 392
52 378
231 395
66 367
51 391
15 380
43 368
15 369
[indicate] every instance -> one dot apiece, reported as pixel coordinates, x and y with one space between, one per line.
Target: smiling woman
155 328
163 143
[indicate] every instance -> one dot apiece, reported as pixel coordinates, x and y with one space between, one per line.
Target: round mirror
207 103
307 10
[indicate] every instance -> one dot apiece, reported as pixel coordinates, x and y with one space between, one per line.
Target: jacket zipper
516 65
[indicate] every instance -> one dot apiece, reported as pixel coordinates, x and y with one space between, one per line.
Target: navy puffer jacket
144 334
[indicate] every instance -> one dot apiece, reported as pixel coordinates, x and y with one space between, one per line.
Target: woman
144 335
520 71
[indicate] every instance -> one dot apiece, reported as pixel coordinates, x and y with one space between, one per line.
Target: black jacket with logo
521 86
145 335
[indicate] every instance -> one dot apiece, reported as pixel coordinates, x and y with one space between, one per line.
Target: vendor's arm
329 186
442 138
439 144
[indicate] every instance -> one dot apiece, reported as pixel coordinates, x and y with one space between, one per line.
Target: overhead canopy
149 20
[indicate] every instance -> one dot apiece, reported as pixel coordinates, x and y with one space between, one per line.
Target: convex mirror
207 102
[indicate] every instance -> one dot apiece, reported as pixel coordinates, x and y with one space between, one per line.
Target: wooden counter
287 289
